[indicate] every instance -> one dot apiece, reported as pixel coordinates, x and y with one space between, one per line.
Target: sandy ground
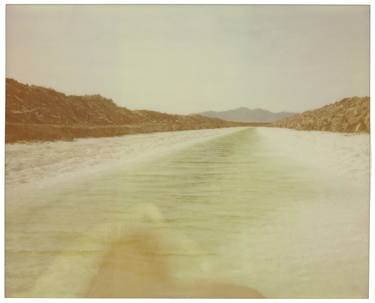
135 267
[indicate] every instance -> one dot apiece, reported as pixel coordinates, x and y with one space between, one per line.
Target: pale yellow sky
186 58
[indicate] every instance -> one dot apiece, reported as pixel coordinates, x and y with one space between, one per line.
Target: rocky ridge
39 113
351 115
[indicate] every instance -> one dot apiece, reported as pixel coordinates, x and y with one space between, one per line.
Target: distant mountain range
43 114
244 114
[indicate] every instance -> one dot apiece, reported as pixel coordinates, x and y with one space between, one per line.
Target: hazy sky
186 59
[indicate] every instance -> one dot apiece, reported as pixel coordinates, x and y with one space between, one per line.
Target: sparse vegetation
350 115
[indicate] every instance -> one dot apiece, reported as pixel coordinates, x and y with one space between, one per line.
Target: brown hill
38 113
348 115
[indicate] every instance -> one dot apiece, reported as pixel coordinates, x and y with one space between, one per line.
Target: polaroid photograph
187 151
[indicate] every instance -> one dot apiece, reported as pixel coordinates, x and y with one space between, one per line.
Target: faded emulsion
187 151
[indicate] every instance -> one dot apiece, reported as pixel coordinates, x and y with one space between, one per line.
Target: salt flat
279 211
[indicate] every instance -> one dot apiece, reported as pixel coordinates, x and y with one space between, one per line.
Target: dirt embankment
38 113
350 115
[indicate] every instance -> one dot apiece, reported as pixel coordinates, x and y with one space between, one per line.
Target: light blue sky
185 59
